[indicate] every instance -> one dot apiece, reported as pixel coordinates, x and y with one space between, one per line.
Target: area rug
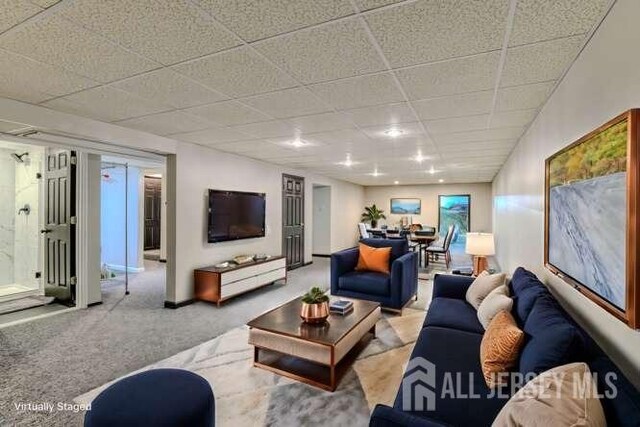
249 396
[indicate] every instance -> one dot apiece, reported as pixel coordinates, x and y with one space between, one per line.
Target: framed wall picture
592 216
406 206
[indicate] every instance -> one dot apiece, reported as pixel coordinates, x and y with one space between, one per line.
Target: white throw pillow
482 286
562 396
497 300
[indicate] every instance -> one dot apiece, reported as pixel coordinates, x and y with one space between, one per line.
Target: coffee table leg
256 354
373 331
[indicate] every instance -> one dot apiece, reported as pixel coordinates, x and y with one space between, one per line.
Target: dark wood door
59 228
152 209
293 220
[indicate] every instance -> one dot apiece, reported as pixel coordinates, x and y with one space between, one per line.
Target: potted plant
315 306
373 215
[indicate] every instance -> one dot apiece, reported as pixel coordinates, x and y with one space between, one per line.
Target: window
454 210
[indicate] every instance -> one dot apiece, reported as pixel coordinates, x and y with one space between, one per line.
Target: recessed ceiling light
441 180
396 182
298 143
348 162
375 173
432 170
419 157
393 132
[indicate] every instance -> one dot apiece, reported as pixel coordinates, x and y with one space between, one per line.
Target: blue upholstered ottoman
160 397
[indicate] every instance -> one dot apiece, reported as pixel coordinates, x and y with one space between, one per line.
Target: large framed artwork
592 216
405 206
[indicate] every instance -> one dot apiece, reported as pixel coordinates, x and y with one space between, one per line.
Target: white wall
7 216
198 168
94 178
480 202
321 238
602 83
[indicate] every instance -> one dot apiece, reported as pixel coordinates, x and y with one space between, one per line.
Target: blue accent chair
393 291
159 397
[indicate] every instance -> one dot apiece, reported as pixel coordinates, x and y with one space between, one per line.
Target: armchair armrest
404 277
342 262
451 285
385 416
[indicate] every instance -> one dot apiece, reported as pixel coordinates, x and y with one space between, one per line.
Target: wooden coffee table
314 354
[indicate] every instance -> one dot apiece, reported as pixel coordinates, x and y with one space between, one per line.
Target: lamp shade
480 244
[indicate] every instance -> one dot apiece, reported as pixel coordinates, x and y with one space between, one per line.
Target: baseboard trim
321 255
93 304
307 263
174 305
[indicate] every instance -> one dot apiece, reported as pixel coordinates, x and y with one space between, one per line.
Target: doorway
321 235
456 210
293 220
152 215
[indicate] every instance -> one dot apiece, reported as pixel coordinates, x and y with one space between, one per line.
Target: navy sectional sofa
451 337
393 291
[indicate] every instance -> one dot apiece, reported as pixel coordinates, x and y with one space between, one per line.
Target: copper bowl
314 313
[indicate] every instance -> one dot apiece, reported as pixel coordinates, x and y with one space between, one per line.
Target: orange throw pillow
499 349
373 259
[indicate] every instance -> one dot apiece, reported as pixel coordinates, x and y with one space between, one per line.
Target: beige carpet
249 396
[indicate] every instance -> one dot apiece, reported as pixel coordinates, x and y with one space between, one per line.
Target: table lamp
480 245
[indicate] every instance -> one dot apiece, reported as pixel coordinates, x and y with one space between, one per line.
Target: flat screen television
235 215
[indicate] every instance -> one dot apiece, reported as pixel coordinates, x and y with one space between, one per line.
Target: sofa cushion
497 300
398 247
523 302
453 313
373 259
366 282
551 339
455 355
560 396
482 286
500 347
522 279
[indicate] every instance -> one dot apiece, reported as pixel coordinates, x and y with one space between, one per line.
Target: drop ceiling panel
539 62
167 31
513 118
255 20
321 122
332 51
32 81
45 3
359 91
228 113
410 130
246 146
454 106
430 30
340 137
523 97
287 103
451 77
237 73
364 5
381 114
539 20
170 88
13 12
271 129
213 136
57 41
166 123
105 103
9 127
457 124
479 135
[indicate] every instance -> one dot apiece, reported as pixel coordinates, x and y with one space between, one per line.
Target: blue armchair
393 291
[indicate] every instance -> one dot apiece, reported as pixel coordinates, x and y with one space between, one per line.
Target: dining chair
362 228
436 249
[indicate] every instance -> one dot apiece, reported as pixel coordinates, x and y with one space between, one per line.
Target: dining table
423 242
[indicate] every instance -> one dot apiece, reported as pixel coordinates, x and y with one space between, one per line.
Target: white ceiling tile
13 12
430 30
237 73
56 41
9 127
479 135
364 5
539 62
31 81
337 50
105 103
170 88
488 146
271 129
246 146
255 20
523 97
287 103
212 136
513 118
167 31
409 130
457 124
45 3
228 113
359 91
538 20
321 122
381 114
454 106
166 123
450 77
340 137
